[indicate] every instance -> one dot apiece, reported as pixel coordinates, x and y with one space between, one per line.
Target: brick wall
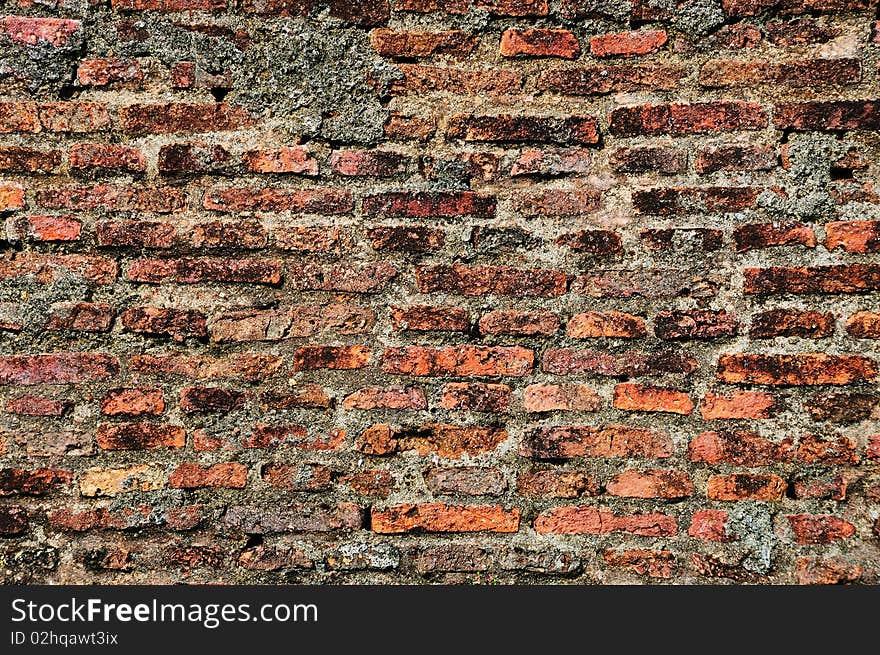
465 291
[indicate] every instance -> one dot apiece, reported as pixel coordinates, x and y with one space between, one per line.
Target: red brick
852 278
423 80
425 204
551 162
681 200
563 361
36 482
745 486
792 323
424 318
680 119
57 368
209 399
827 115
307 239
628 44
651 483
821 488
738 405
139 436
17 159
710 525
305 477
48 268
695 324
723 73
451 441
755 7
407 44
700 239
11 197
795 370
229 234
189 475
836 451
864 325
506 128
58 32
490 280
653 563
853 236
386 398
176 323
475 397
310 396
641 398
465 480
539 43
37 406
133 402
553 483
737 36
44 228
819 528
370 482
600 80
290 322
271 558
606 324
561 397
839 407
569 441
173 118
591 520
196 271
437 517
832 570
104 157
740 447
801 31
286 159
477 361
101 72
519 323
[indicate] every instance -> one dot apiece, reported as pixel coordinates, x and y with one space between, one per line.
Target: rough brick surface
410 291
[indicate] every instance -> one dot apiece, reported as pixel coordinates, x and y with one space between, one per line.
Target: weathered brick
641 398
478 361
825 116
196 271
696 324
819 528
209 399
465 480
424 204
723 73
133 402
767 235
425 318
795 370
286 159
18 159
628 44
189 475
37 406
841 407
521 323
306 477
101 72
831 570
251 367
679 119
368 163
475 396
647 159
276 436
647 283
43 228
407 44
557 202
410 239
451 441
539 43
651 483
599 324
806 324
107 158
595 242
139 436
176 323
181 118
423 80
494 280
653 563
735 158
601 80
552 483
710 525
437 517
569 441
386 398
738 405
563 361
32 482
135 234
591 520
309 358
506 128
293 517
57 368
745 486
162 200
268 199
561 397
853 236
111 482
740 447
